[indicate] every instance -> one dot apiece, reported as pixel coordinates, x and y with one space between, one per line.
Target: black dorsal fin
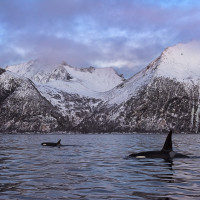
58 141
168 143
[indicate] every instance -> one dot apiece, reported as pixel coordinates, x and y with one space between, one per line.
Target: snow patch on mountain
85 81
129 88
180 62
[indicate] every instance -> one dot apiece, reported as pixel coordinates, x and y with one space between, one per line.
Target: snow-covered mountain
85 81
180 63
165 94
74 92
24 109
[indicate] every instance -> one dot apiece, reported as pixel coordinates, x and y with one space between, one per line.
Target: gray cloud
122 34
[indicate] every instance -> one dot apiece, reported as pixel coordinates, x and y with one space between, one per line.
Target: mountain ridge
93 79
155 99
164 95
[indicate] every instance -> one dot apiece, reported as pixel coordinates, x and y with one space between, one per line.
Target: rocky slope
166 94
23 109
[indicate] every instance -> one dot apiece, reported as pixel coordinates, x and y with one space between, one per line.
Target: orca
52 144
166 152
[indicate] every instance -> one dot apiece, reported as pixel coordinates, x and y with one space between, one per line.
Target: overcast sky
125 34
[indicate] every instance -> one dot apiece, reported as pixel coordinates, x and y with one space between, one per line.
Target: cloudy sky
125 34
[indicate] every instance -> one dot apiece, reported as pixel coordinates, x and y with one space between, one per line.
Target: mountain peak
83 81
180 62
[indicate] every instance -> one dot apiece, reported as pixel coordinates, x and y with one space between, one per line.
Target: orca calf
166 152
52 144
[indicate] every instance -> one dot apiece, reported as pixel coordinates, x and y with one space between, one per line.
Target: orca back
168 143
166 153
58 142
53 144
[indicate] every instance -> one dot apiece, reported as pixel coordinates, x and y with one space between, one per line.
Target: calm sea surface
96 167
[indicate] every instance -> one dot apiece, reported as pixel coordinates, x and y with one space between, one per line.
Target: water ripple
96 167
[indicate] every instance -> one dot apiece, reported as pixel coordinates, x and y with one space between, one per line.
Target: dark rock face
73 107
23 109
59 74
2 71
162 105
77 108
159 106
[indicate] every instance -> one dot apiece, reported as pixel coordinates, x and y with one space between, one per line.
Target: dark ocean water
96 167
